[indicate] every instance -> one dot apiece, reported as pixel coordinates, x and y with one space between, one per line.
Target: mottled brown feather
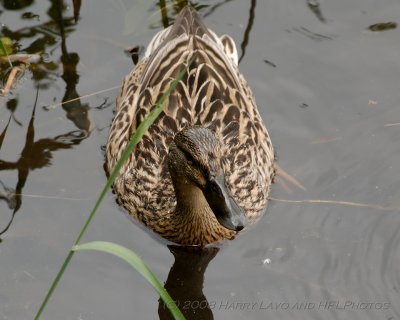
213 94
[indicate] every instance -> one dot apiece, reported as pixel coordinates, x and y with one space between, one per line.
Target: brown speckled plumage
215 114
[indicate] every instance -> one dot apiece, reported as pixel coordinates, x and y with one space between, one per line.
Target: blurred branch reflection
246 36
206 10
34 155
38 154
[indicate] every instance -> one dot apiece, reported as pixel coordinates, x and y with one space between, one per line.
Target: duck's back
214 94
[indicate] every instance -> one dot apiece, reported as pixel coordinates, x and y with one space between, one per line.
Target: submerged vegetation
383 26
6 49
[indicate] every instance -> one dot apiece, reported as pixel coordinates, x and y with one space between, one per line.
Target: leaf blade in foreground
132 259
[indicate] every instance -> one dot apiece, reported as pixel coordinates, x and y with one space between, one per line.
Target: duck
203 170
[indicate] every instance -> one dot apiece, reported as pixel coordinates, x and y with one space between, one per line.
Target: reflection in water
315 8
3 133
185 282
44 73
178 5
38 154
34 155
312 35
77 8
12 106
164 14
16 4
75 110
250 23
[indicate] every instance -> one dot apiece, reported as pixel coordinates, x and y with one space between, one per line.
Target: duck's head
194 160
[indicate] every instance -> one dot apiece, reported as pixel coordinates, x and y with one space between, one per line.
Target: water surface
327 88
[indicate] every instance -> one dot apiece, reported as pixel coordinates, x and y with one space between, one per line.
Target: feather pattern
213 94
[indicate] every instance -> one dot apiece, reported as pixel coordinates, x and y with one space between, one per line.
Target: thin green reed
143 127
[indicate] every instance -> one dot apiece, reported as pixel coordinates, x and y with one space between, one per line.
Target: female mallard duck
203 169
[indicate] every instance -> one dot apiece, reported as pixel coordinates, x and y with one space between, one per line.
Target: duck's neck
191 199
195 222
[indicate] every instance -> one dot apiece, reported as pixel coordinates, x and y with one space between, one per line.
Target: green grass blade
137 263
141 130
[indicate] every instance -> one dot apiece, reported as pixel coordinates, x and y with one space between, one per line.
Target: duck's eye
189 158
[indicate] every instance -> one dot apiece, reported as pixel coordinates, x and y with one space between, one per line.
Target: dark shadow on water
185 282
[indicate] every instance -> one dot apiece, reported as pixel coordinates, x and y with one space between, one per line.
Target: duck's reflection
185 282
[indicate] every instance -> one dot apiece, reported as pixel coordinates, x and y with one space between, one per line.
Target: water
327 88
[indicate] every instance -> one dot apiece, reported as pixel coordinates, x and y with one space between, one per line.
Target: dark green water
327 86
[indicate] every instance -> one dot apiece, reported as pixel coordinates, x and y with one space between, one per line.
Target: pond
326 79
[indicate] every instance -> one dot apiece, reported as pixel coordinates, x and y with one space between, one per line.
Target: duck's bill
225 208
